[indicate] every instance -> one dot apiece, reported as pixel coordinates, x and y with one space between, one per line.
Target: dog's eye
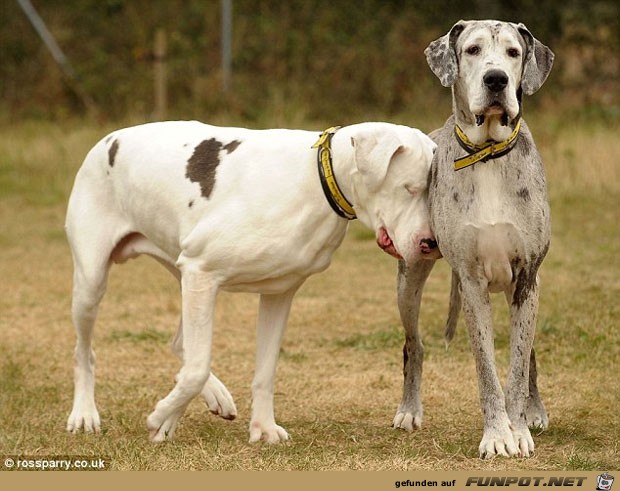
473 50
513 52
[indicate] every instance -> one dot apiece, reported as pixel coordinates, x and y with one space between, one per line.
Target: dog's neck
342 167
482 128
348 177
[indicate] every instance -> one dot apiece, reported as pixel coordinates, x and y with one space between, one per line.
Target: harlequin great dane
239 210
490 216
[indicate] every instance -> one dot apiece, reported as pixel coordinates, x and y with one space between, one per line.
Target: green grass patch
374 341
146 335
580 461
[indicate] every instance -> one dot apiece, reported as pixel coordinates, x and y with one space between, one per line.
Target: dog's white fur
233 209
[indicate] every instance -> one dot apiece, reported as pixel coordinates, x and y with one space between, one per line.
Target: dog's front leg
216 396
199 291
497 437
522 327
411 280
535 412
272 318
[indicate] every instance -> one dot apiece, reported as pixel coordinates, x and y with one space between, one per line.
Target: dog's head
390 187
489 63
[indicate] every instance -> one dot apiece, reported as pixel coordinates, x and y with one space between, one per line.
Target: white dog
240 210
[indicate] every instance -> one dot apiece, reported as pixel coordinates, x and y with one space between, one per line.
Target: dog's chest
477 194
488 192
493 196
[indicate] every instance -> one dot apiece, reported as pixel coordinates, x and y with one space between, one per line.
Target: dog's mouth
385 242
495 108
499 106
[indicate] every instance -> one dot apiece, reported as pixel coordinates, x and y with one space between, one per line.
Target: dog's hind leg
89 286
93 230
455 307
272 318
535 412
411 280
92 241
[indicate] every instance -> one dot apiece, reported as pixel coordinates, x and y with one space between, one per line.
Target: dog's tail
453 309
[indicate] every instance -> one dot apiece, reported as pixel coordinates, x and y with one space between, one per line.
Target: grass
339 376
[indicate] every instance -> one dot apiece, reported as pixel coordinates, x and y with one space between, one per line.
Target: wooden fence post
161 95
226 34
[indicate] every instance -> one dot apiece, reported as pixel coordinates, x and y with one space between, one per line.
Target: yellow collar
332 191
486 151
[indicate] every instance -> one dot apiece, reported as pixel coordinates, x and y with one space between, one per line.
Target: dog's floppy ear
537 61
373 152
441 55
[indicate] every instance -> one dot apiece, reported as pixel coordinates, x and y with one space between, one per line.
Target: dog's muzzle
495 81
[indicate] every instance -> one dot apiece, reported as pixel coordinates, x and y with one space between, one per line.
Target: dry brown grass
339 377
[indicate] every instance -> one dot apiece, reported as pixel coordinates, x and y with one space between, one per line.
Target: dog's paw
407 421
218 398
496 441
535 415
162 426
524 441
84 416
270 433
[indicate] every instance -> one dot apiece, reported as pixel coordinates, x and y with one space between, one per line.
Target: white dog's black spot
202 165
232 146
112 153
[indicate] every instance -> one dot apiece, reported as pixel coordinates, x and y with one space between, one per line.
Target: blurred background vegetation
295 60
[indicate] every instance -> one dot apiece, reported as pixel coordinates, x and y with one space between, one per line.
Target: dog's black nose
495 80
430 243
